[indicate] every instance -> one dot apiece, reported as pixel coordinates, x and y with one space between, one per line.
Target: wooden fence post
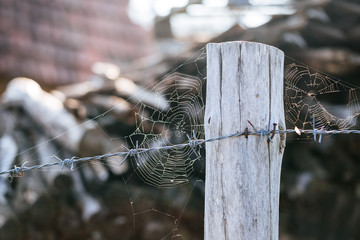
244 83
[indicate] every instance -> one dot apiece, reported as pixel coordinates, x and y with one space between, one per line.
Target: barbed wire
18 171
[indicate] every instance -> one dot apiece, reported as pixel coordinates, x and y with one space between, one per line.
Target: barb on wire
17 171
317 131
66 162
262 132
131 152
193 142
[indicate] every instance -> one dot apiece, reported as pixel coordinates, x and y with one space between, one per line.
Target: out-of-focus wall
56 42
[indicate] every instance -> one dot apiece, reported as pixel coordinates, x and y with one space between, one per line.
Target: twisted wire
193 142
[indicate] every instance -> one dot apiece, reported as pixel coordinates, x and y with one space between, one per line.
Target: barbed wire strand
18 171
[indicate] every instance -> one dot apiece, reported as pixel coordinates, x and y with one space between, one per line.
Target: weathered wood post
244 83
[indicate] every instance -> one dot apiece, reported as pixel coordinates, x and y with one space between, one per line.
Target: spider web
180 116
307 96
169 181
152 192
160 188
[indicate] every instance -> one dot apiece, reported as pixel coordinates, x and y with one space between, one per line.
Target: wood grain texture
244 82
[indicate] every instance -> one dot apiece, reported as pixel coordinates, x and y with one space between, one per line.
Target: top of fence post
244 90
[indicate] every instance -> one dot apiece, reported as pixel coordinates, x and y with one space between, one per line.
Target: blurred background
87 57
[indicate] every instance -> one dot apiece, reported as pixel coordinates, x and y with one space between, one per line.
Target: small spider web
307 93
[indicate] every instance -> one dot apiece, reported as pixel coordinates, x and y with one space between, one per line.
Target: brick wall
56 41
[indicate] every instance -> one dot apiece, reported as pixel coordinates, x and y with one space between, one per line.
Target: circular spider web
304 93
178 115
